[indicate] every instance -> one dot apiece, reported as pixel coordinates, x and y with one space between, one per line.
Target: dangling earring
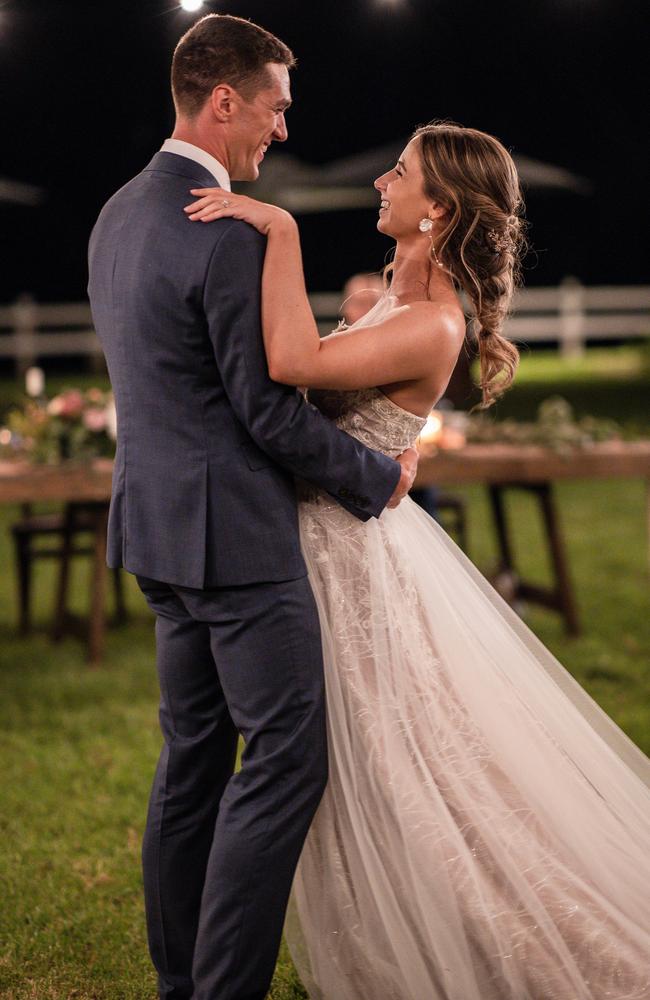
425 226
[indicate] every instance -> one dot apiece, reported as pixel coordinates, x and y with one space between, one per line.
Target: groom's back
184 506
147 269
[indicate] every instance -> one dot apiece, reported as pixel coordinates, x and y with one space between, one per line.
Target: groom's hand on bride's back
408 461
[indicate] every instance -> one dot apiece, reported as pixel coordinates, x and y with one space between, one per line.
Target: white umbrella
347 183
17 193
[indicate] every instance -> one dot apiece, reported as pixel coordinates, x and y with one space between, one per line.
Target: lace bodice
371 417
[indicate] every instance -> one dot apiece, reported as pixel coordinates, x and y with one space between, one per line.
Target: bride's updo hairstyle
483 241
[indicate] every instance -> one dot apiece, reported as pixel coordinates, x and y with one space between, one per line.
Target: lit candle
430 433
34 382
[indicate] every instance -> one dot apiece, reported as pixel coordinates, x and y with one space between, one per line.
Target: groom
203 511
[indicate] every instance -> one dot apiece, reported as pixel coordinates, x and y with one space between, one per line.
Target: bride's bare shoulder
442 319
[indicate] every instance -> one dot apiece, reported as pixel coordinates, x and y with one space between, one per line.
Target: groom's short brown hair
223 49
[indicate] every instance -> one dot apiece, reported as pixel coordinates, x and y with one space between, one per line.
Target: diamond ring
225 203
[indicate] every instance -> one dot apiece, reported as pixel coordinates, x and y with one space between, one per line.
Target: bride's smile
403 200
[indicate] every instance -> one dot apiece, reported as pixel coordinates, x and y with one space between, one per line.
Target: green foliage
644 358
555 428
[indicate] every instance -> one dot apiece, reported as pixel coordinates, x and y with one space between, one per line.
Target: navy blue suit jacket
207 444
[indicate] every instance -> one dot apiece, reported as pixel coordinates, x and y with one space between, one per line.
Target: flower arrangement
72 425
82 425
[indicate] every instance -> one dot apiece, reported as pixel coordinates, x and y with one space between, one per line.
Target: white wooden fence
32 330
569 314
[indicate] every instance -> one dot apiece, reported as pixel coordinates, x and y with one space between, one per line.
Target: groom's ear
222 101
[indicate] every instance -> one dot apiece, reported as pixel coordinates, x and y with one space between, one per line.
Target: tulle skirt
485 833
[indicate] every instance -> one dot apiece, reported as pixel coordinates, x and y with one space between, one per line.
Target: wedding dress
485 833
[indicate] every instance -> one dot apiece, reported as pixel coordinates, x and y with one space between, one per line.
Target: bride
485 833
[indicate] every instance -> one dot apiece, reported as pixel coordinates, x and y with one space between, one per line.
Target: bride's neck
414 277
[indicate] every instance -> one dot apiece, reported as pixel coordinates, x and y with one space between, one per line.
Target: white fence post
25 322
572 318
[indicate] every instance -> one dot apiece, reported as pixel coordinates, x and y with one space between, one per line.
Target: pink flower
55 406
73 404
94 420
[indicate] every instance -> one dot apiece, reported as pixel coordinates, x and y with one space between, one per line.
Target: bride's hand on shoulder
216 203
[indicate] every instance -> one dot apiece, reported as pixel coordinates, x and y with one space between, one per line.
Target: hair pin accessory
500 241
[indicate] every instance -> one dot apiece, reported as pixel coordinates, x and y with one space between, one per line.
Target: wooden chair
452 511
63 528
449 509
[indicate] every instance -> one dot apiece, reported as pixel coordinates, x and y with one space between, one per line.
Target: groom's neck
190 131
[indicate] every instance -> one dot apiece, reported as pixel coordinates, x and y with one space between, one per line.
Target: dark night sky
84 103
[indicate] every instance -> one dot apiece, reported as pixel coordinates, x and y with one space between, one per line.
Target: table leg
560 596
61 602
496 491
24 571
563 588
505 579
97 623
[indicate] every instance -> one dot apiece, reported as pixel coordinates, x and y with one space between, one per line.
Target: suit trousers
221 846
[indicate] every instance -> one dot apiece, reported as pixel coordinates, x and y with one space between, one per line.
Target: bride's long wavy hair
483 242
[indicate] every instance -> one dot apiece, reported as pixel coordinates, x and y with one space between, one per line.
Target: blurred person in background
361 292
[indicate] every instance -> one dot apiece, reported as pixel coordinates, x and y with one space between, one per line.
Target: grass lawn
78 746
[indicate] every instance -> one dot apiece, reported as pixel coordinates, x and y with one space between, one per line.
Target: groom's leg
267 647
195 765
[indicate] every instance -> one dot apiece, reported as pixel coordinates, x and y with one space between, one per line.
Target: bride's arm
408 345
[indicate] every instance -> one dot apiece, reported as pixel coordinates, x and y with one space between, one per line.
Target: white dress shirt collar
192 152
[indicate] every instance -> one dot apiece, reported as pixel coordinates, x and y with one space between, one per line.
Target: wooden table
503 467
500 467
22 482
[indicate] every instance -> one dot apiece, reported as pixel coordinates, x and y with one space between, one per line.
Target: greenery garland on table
80 425
555 428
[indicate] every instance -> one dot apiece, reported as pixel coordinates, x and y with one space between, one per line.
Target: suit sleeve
289 429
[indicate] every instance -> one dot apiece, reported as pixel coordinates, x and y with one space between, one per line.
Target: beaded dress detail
485 832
